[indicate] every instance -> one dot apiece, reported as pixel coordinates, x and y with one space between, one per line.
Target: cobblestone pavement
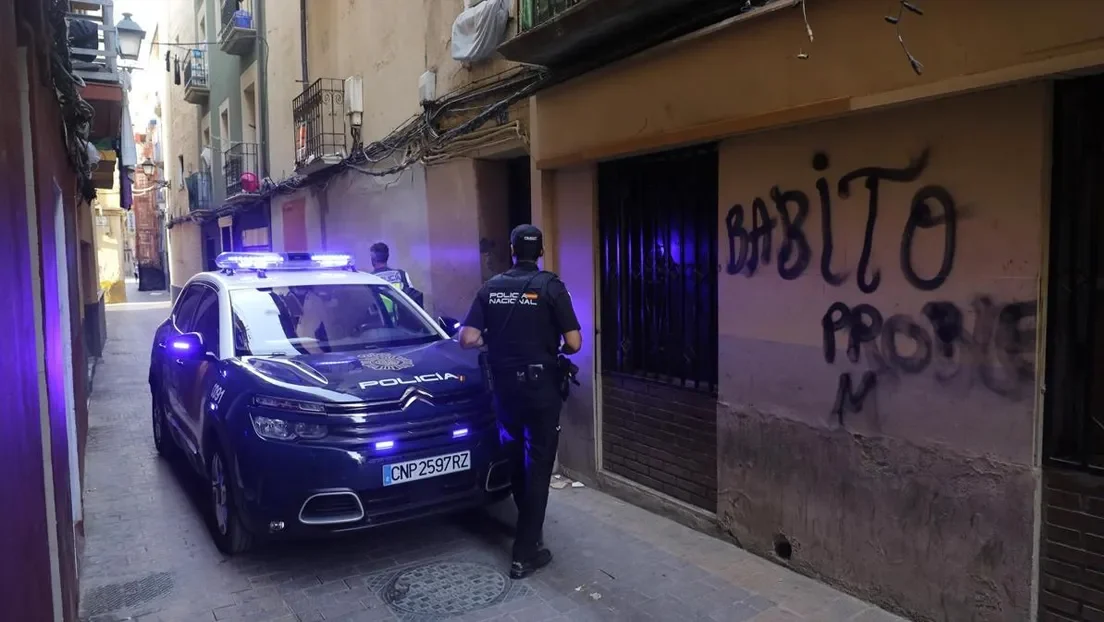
148 556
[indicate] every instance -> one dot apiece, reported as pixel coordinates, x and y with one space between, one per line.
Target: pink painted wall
920 495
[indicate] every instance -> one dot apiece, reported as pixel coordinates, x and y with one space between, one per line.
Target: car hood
441 367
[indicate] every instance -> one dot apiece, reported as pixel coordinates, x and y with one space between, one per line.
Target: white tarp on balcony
478 30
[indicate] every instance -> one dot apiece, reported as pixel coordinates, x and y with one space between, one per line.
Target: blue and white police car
316 399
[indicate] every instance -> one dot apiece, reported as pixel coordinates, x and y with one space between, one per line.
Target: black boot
523 569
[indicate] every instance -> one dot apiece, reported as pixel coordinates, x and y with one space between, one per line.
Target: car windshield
314 319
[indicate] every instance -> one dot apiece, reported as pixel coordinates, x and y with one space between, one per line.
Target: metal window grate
199 191
658 230
195 70
1073 408
239 159
319 116
536 12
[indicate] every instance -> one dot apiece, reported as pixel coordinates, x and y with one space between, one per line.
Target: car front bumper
292 489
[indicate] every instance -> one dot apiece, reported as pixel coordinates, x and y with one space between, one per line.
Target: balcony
94 51
586 34
197 88
199 188
239 34
319 117
241 169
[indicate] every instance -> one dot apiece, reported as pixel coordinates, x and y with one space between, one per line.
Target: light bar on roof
262 262
249 261
332 260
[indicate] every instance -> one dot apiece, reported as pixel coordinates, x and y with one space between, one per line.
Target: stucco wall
748 76
282 82
185 253
573 234
181 119
362 210
920 493
391 43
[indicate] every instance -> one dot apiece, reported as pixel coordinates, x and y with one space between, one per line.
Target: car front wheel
230 534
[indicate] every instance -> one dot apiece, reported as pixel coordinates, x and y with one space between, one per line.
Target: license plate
424 468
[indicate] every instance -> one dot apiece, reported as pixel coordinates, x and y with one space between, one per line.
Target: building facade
834 277
445 208
61 141
215 116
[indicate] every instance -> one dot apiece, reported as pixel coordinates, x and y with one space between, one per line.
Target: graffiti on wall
994 351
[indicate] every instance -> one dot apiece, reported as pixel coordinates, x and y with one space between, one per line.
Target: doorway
519 188
1073 406
658 237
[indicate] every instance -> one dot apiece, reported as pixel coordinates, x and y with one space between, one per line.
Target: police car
316 399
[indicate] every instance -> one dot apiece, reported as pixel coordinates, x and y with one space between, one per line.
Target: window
249 114
207 319
314 319
224 124
185 308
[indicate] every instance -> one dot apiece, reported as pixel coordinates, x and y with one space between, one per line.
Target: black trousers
529 425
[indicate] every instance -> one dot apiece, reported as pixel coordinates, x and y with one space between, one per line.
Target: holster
568 375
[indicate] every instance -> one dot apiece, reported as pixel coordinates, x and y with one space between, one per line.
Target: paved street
148 555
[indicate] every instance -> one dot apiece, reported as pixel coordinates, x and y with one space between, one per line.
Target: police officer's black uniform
522 314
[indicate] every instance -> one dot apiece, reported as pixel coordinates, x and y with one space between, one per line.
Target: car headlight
279 430
295 406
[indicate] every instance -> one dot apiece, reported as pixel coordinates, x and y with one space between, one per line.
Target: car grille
421 423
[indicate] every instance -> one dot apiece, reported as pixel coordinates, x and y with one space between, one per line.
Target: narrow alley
148 556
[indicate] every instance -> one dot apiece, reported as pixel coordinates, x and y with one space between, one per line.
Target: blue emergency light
262 262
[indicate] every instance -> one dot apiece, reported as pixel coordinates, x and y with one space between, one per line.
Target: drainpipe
262 90
303 40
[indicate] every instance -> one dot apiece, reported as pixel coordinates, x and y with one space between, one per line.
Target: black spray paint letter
793 233
820 163
868 282
922 217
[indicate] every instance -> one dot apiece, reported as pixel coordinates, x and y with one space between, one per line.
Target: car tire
230 535
162 438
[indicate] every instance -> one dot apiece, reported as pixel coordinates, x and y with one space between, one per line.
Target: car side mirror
188 346
450 325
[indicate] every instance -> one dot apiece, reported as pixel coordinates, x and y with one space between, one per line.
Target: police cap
527 237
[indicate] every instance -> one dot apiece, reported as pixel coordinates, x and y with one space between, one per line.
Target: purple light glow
181 345
461 433
385 445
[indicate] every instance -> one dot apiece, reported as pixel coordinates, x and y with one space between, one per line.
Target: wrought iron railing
533 13
95 56
241 168
195 70
318 114
200 195
658 230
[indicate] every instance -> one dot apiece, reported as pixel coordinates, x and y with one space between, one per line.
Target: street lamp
148 167
130 36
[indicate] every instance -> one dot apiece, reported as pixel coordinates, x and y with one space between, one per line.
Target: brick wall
662 437
1072 563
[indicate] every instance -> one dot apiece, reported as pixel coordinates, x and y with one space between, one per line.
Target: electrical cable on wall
417 140
904 5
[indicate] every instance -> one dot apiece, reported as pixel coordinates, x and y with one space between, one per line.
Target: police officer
521 315
380 255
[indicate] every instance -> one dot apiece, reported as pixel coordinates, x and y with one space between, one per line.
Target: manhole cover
446 588
118 596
